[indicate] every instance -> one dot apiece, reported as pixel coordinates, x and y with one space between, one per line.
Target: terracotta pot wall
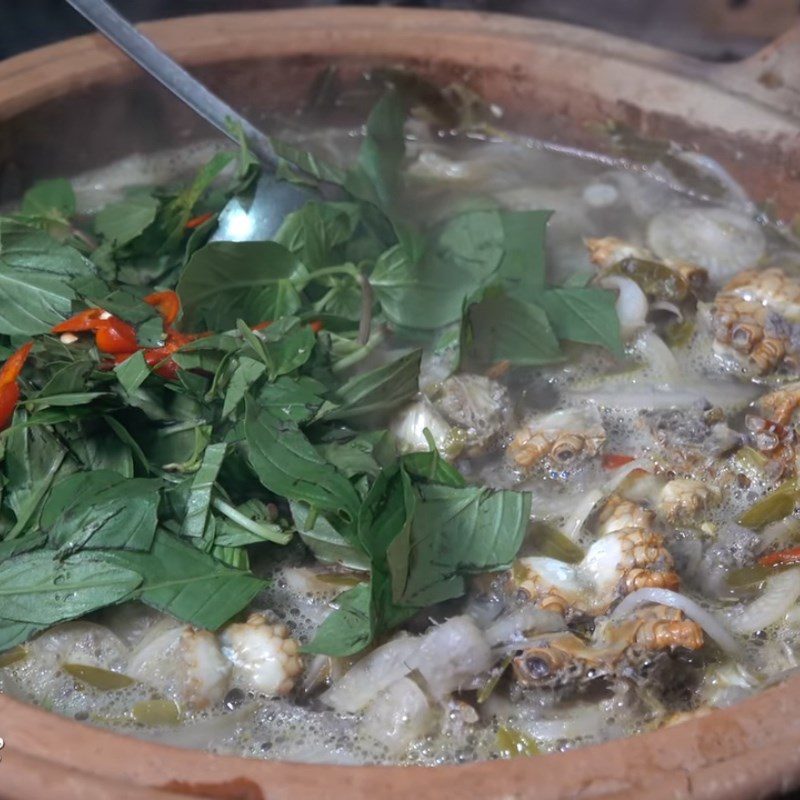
79 104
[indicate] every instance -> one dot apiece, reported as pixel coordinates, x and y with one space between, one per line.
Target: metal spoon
273 199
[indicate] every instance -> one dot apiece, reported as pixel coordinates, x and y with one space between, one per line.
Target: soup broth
656 577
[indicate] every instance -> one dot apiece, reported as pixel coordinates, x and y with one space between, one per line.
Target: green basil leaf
585 315
35 279
455 532
199 500
226 281
122 222
522 268
503 327
348 629
52 199
292 399
287 464
430 293
191 585
101 510
246 373
315 231
378 392
324 541
382 151
132 372
40 589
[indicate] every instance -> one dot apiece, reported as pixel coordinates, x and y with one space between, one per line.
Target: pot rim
742 751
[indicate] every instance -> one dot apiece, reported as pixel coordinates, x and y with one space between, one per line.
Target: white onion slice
631 304
722 241
780 594
526 619
710 624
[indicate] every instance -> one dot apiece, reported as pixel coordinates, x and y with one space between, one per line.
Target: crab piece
554 585
777 442
616 649
617 564
618 513
559 440
265 658
755 321
781 405
662 279
185 663
690 440
682 499
475 404
624 561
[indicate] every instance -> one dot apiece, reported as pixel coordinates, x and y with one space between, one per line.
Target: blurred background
717 30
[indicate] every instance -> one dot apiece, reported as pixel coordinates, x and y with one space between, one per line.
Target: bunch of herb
120 481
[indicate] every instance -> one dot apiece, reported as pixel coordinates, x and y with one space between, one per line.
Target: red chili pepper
616 460
196 222
116 336
82 322
167 303
781 558
262 325
9 390
112 335
317 325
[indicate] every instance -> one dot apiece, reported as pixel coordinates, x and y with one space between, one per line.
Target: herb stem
366 309
339 269
358 355
262 531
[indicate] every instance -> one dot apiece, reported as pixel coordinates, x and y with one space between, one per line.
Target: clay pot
80 104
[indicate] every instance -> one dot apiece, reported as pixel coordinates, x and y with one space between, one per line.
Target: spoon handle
155 61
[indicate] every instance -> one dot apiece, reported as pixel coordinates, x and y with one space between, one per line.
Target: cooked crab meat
626 560
660 278
475 404
557 440
615 565
616 649
682 499
780 406
618 513
778 443
690 440
755 319
265 658
185 663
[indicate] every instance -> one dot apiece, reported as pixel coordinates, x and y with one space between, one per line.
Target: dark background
718 30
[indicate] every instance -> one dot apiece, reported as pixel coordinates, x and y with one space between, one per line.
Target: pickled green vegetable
552 543
97 677
749 458
486 690
157 712
749 576
12 656
511 743
341 579
773 507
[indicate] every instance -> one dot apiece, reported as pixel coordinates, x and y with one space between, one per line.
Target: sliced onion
710 624
631 304
721 240
660 359
586 719
400 714
528 619
778 597
446 656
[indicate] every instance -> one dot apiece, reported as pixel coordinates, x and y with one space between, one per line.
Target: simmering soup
486 451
